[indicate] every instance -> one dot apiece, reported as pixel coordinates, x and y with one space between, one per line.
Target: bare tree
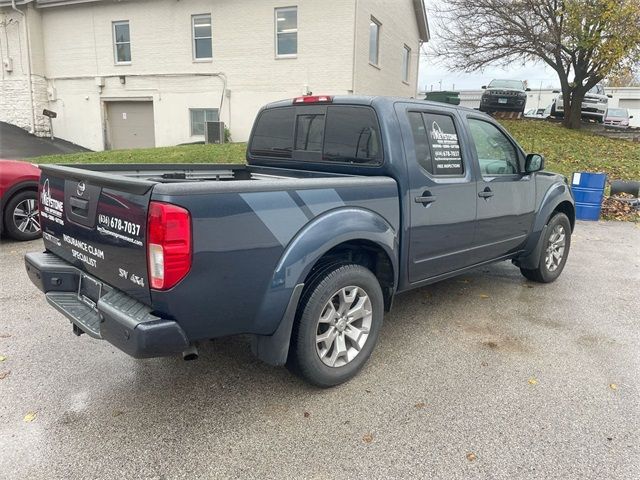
584 41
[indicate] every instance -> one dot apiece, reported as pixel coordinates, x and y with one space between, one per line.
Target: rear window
340 134
273 136
309 132
352 136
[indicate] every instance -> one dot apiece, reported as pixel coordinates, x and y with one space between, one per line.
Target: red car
19 200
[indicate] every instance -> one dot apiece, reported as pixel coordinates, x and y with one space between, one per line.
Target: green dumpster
452 98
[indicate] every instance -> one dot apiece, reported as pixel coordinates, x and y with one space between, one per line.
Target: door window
436 143
496 154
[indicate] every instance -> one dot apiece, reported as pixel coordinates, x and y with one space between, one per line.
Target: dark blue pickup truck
344 202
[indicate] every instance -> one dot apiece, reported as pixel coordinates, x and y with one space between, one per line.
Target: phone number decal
119 225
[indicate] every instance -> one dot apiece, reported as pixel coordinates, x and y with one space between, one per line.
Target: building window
201 115
122 42
286 31
202 49
374 41
406 63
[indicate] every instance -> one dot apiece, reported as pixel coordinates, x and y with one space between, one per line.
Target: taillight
168 244
313 99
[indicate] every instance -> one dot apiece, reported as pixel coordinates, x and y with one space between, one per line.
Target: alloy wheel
555 248
343 326
25 216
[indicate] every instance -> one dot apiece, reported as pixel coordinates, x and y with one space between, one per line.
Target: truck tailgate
98 222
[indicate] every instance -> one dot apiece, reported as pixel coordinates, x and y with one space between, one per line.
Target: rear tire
555 250
337 325
21 219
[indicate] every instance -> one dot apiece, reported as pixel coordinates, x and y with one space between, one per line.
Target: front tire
21 218
556 244
337 325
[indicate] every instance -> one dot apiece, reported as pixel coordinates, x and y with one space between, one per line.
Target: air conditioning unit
213 132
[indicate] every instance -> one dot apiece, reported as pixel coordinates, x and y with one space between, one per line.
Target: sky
431 74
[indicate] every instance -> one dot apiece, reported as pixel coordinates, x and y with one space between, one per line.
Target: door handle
425 199
486 193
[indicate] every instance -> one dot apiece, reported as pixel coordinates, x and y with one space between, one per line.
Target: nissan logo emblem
80 189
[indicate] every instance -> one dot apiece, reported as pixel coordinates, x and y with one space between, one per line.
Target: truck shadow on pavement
421 320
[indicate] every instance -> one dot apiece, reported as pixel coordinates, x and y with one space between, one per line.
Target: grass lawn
568 151
225 153
565 151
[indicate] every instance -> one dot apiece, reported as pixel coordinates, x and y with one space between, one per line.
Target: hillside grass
224 153
565 151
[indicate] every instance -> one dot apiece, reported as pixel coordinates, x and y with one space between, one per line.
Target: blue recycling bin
588 189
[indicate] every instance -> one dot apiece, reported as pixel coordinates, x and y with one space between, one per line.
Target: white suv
594 104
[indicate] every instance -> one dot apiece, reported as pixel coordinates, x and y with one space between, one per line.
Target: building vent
213 132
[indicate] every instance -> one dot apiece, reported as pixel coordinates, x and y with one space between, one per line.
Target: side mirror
534 162
527 89
556 91
630 117
609 95
483 87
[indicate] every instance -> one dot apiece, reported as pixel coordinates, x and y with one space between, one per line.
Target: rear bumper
115 317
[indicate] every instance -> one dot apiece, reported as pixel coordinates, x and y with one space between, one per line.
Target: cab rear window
334 133
273 135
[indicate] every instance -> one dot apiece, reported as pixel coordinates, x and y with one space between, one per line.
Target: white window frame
193 37
191 110
116 43
406 67
276 33
379 29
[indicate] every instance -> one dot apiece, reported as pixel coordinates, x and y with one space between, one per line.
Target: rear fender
308 246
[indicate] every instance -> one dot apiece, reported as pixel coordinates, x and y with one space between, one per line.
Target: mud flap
531 260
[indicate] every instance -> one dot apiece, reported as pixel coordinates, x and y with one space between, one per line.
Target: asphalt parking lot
482 376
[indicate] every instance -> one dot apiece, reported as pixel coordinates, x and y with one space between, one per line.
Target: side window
273 135
421 145
286 31
198 118
202 48
122 42
496 154
309 132
436 143
352 136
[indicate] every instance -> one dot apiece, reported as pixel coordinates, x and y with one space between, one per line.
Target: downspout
26 29
355 39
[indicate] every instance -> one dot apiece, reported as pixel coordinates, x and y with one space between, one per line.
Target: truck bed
244 225
196 172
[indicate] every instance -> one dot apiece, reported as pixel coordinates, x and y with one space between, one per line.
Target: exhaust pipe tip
190 354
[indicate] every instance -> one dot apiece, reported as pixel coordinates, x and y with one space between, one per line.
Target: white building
138 73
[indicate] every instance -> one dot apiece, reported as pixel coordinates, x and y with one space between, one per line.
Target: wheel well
361 252
568 209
